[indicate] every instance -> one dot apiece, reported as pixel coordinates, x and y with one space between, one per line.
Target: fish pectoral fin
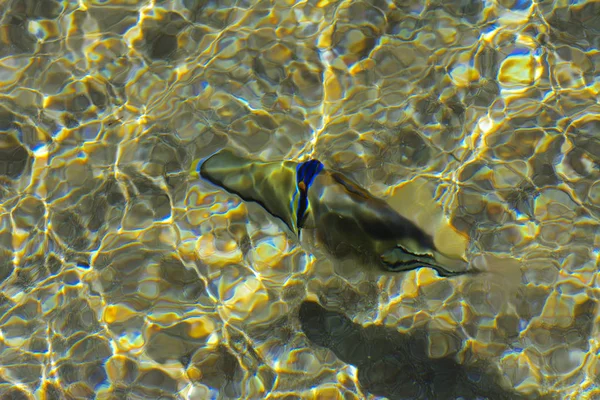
399 260
400 256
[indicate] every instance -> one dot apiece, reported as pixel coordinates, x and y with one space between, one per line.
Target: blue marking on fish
305 175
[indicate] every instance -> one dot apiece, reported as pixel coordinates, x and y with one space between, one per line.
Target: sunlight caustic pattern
124 276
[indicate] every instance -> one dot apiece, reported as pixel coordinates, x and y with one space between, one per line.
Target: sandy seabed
124 277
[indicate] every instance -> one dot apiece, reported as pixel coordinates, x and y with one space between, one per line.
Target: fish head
270 184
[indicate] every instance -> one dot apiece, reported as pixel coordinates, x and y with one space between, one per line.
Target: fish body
347 219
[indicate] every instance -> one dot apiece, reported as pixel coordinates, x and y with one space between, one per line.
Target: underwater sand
123 277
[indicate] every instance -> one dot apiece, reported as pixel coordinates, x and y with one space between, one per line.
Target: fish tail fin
501 274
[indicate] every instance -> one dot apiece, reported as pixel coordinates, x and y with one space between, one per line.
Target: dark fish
347 219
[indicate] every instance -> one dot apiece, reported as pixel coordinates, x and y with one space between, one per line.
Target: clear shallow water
124 277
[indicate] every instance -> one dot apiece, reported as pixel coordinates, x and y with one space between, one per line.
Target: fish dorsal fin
351 186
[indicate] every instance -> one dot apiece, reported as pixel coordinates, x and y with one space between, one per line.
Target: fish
347 220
